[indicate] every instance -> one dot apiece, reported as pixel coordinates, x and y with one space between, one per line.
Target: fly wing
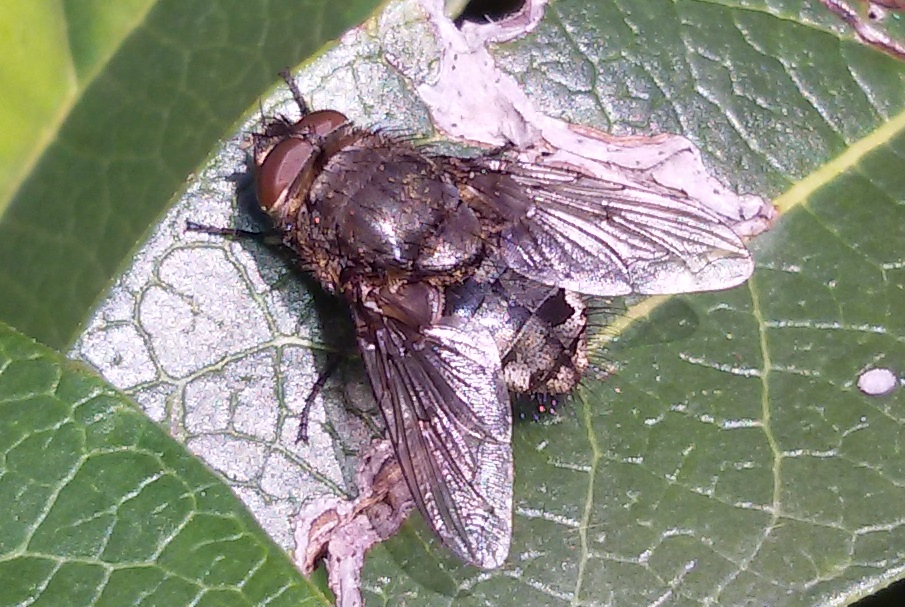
605 238
447 412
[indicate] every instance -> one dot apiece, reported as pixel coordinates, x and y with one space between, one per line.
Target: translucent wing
605 238
448 416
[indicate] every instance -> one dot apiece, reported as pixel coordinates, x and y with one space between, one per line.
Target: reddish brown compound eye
322 122
287 158
280 168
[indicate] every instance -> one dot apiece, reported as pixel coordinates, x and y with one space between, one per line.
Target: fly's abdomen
540 331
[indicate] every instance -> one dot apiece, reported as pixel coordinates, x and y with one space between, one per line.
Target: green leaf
103 508
730 459
110 106
51 52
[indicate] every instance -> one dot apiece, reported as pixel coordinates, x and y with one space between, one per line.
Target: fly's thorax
540 331
383 204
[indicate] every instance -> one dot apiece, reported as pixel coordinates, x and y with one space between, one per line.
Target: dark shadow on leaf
674 320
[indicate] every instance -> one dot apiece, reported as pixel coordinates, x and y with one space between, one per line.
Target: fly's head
286 157
290 160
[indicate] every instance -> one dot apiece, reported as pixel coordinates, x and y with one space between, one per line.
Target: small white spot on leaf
878 382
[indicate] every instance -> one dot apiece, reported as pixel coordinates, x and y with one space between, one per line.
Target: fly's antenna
296 93
261 112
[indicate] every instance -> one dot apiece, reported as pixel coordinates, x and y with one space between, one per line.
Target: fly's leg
316 389
268 237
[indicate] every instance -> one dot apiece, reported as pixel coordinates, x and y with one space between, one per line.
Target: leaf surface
731 459
103 508
111 106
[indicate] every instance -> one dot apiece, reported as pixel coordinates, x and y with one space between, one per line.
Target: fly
463 279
